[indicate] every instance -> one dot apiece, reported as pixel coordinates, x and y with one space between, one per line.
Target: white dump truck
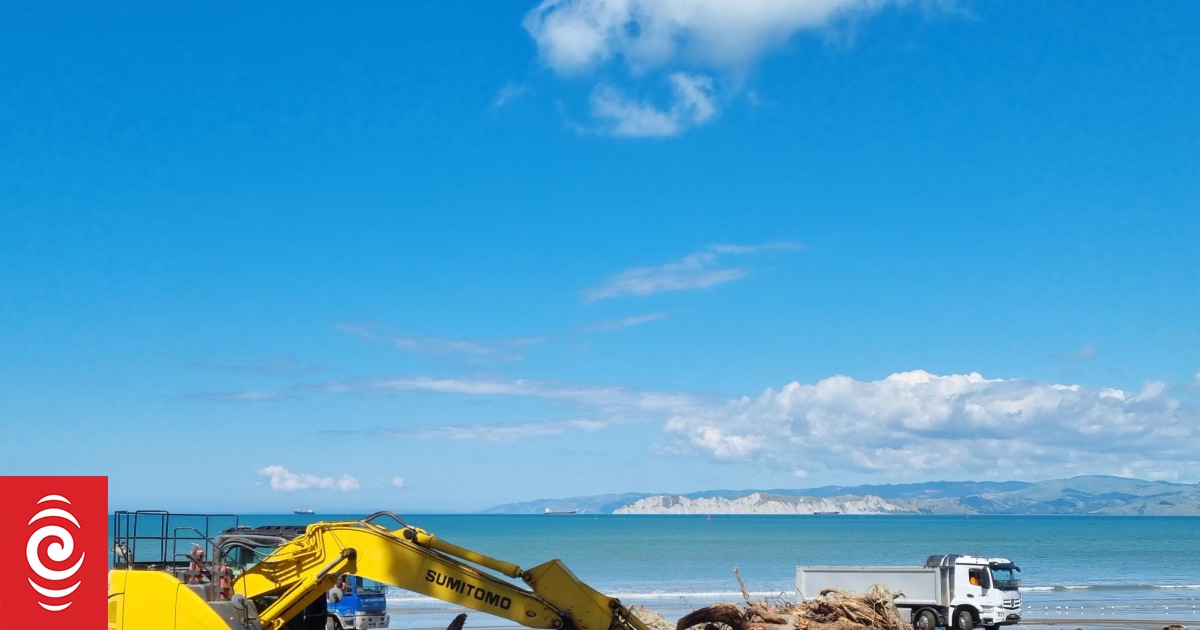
953 591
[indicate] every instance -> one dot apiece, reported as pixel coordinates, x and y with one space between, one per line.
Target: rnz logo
61 550
53 541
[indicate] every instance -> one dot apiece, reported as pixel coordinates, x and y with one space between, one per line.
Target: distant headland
1089 494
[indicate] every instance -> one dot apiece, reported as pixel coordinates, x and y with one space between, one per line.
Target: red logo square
53 553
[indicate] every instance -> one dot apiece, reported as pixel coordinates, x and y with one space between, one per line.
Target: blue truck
355 604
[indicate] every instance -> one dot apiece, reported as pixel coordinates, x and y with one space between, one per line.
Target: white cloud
575 36
698 271
398 482
909 426
1084 353
631 119
729 248
507 94
610 406
917 424
626 322
256 394
270 366
502 432
249 395
578 37
284 480
608 398
693 105
695 271
509 348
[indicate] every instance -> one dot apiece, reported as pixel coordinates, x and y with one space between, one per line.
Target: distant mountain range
1091 494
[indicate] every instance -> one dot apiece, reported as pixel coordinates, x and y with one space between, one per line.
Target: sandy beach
437 617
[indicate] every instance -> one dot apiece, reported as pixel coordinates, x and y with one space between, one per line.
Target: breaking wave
1105 587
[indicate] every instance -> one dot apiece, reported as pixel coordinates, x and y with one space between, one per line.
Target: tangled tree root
833 610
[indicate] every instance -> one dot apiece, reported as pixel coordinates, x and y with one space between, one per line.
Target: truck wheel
925 620
963 619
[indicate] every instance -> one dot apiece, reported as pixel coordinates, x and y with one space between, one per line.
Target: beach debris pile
652 618
833 610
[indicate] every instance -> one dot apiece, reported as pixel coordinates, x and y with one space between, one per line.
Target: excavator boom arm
301 570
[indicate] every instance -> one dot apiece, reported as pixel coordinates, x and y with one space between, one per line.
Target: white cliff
762 503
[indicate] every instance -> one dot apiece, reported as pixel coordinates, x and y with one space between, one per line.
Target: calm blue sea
1073 567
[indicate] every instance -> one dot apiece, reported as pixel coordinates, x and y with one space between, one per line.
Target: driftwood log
833 610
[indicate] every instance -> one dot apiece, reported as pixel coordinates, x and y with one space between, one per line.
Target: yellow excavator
173 575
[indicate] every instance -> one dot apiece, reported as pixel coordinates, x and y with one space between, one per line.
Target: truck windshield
1005 577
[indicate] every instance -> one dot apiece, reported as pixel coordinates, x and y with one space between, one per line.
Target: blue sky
436 257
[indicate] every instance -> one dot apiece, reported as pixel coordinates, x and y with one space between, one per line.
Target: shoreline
437 617
1131 624
1102 621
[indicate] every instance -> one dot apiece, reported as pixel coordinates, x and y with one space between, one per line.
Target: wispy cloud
1084 353
626 322
270 366
286 481
507 94
398 482
505 349
607 406
692 105
501 432
695 271
698 271
729 248
907 424
249 395
610 398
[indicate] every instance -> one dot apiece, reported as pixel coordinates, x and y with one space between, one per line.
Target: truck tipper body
958 592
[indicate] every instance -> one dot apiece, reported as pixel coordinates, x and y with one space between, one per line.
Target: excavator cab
170 559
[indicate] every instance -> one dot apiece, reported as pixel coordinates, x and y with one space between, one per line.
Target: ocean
1075 570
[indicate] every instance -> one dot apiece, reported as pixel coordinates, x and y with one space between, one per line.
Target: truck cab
357 604
982 591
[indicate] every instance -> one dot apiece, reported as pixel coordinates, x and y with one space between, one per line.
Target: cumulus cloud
698 271
575 36
652 37
917 424
286 481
